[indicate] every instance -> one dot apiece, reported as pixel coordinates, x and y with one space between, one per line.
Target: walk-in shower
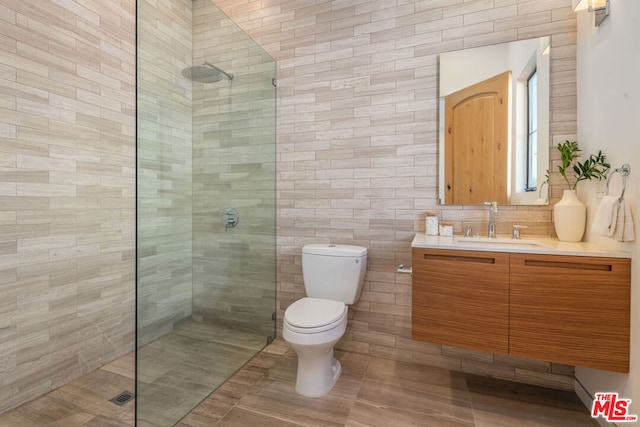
205 73
205 291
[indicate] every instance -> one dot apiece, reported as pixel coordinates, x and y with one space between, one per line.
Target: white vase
569 217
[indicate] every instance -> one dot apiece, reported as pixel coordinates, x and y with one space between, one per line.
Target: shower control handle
230 218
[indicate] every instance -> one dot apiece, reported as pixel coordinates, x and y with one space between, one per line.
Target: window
532 132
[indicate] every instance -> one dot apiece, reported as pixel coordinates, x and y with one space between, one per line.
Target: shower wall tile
357 144
67 199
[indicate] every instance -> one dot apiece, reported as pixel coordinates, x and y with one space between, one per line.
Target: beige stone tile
242 417
366 413
123 366
502 403
279 400
416 401
561 380
427 379
434 359
208 413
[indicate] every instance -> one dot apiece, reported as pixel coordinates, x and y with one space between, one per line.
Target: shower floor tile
82 402
178 370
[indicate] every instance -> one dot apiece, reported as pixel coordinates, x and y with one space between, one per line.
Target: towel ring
624 171
541 187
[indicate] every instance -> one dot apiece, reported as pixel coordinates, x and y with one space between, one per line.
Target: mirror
494 124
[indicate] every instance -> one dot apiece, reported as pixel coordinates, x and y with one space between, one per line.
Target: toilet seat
314 315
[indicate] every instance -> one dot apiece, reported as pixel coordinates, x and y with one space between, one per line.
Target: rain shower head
205 73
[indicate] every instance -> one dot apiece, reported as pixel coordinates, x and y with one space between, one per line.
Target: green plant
594 167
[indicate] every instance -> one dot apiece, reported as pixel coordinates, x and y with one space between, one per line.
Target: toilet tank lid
334 250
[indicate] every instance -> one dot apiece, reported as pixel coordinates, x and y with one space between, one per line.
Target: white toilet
333 277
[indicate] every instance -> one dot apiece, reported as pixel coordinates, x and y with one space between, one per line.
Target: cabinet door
461 298
572 310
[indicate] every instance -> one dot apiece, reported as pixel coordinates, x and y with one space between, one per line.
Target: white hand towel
624 224
606 217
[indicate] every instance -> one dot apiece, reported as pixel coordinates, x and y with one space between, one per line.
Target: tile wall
357 145
67 191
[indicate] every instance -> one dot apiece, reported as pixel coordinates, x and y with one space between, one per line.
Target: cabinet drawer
461 298
570 309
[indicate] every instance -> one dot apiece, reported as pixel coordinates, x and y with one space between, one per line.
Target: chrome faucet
493 209
516 231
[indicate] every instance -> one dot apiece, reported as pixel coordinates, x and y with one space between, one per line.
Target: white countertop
538 245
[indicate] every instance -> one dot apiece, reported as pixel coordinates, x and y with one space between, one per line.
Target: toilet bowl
333 278
312 327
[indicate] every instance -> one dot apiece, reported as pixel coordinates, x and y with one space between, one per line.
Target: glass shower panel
206 144
233 168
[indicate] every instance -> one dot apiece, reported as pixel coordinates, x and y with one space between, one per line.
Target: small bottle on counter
446 228
431 223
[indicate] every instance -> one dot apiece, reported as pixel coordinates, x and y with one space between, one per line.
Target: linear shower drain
122 398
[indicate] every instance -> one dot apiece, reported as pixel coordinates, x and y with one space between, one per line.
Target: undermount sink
499 240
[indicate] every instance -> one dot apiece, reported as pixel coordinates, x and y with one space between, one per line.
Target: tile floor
381 392
175 373
83 402
370 392
178 370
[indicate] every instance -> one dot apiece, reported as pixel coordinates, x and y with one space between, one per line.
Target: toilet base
318 371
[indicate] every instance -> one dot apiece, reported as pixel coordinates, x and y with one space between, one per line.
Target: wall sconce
600 7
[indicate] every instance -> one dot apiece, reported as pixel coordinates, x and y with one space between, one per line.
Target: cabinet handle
570 265
460 258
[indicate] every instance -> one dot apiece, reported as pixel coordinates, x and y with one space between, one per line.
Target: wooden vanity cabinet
567 309
570 309
461 298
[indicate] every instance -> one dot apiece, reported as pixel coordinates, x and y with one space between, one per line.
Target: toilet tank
334 272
